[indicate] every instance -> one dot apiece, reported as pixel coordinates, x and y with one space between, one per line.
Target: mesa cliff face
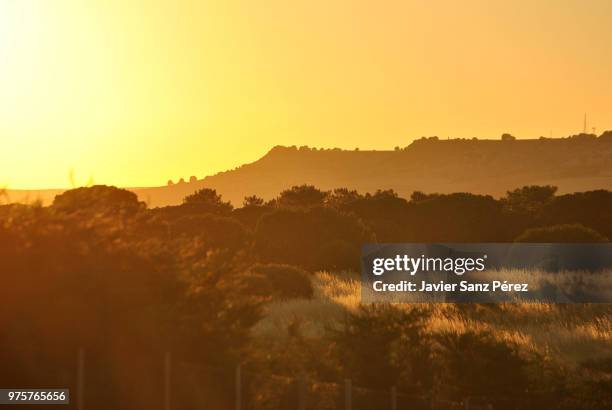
477 166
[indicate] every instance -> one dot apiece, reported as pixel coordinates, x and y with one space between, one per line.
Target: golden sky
136 92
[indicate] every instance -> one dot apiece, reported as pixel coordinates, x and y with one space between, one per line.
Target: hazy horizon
75 181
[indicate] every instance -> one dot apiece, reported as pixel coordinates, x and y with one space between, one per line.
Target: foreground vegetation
560 354
218 286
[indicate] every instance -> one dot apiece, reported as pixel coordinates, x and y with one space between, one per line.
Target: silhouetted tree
98 199
508 137
252 201
470 359
207 200
301 196
418 196
278 282
341 197
384 212
399 339
591 209
561 233
459 217
529 198
313 238
211 231
252 210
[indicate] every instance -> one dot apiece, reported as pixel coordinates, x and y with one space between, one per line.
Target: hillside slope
477 166
487 167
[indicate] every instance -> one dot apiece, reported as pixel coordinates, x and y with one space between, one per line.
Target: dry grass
566 333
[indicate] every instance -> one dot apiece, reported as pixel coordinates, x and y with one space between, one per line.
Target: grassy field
565 333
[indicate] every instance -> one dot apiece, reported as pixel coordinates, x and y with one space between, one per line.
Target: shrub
212 231
302 237
302 196
207 200
278 282
591 209
529 198
96 199
476 364
252 201
561 233
381 346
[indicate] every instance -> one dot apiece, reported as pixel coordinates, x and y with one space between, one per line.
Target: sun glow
136 92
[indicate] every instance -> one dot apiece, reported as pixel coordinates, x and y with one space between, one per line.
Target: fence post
301 391
167 379
238 387
348 394
393 398
81 379
466 403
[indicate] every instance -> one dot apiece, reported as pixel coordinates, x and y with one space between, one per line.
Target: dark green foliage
301 196
208 201
382 346
302 237
340 198
477 364
418 196
277 282
212 231
561 233
250 215
252 201
591 209
384 212
529 199
98 198
459 217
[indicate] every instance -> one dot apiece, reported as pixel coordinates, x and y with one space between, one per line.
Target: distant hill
429 165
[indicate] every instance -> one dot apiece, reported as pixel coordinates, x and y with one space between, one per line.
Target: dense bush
591 209
382 346
98 198
277 282
208 201
302 237
302 196
479 365
561 233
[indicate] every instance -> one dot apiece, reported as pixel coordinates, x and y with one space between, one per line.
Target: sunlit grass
568 333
